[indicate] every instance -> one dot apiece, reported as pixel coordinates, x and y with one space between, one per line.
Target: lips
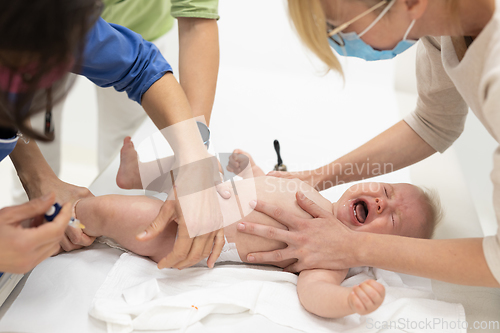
360 211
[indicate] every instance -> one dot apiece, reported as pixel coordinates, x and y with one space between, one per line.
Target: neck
475 15
472 17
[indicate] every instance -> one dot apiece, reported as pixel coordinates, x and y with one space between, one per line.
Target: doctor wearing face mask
458 66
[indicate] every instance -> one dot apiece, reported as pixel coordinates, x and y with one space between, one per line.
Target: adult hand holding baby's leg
366 297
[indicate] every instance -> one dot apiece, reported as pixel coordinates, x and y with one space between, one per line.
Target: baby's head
396 209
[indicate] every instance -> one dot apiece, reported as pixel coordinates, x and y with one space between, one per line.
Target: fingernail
227 193
46 197
142 235
241 226
253 204
301 195
250 258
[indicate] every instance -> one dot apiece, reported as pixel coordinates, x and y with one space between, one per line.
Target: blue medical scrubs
8 141
115 56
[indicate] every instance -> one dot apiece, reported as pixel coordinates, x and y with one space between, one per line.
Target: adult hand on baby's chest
321 242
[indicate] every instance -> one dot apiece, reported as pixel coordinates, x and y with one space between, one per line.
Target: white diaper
229 251
111 243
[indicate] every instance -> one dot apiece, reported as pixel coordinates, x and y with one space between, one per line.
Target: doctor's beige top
447 87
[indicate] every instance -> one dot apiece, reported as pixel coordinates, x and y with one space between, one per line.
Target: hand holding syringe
51 214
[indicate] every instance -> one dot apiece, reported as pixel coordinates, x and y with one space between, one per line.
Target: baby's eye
392 217
385 190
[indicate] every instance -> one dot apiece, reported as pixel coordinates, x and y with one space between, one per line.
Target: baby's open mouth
360 211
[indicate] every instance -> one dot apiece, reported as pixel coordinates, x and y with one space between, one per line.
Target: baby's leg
122 218
131 169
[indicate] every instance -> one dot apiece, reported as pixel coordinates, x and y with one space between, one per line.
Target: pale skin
199 63
459 261
167 103
390 209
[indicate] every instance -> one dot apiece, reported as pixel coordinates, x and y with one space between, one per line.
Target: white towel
138 296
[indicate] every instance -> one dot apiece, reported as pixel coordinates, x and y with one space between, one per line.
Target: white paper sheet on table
177 299
58 292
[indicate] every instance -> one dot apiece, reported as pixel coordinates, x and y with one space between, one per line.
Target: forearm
459 261
31 167
199 63
326 300
166 104
396 148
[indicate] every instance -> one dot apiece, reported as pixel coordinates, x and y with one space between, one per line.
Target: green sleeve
208 9
150 18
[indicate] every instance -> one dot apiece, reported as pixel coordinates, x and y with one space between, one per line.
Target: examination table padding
186 297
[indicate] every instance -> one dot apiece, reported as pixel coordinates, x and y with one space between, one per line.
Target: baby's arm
320 293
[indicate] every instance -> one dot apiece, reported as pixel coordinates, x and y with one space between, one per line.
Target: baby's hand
366 297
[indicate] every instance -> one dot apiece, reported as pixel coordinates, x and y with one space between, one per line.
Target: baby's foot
366 297
128 176
239 162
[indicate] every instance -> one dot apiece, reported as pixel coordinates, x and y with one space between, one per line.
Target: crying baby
397 209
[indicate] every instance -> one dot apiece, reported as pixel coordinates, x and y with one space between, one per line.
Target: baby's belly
274 191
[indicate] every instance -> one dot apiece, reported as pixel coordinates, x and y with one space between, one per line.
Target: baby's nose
380 205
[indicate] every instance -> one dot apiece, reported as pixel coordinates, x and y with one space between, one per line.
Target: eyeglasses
333 32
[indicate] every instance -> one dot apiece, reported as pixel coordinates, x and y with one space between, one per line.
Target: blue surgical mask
354 46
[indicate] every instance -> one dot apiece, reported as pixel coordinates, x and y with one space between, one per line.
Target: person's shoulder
431 42
490 42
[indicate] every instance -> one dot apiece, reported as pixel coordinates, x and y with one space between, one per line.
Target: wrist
187 139
33 182
190 155
362 247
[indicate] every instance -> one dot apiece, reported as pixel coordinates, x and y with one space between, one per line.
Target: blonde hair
435 213
309 20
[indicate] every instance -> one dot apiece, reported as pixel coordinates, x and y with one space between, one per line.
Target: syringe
51 214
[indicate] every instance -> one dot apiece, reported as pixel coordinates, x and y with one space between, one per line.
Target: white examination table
267 90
